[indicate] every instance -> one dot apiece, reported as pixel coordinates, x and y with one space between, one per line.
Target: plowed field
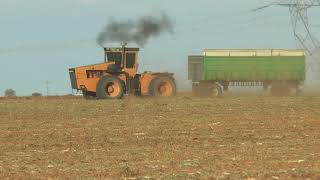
145 138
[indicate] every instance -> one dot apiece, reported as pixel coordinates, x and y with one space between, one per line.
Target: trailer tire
280 89
215 91
196 91
110 87
207 90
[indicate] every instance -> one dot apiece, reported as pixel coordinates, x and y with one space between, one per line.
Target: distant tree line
12 93
36 94
9 93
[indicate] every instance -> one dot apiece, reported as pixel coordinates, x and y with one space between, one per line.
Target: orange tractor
118 76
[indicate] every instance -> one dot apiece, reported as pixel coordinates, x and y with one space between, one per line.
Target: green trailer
281 70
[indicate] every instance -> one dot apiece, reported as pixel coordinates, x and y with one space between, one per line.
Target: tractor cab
123 60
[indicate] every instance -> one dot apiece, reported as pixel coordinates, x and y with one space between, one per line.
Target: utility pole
47 84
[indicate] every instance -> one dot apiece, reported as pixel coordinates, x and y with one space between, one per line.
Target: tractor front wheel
110 87
162 86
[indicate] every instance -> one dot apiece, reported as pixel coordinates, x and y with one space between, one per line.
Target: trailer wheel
215 90
196 91
280 89
110 87
299 90
162 86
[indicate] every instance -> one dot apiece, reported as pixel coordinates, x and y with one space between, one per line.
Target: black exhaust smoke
137 31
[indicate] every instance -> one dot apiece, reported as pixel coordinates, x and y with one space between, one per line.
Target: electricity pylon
300 22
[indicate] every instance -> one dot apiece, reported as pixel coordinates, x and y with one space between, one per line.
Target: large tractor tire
110 87
162 86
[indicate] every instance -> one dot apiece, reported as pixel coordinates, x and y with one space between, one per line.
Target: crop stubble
181 137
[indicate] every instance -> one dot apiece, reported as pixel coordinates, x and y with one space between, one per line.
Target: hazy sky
41 39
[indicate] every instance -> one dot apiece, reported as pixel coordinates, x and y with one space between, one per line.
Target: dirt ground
144 138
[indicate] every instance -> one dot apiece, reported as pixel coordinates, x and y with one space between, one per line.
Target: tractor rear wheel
110 87
162 86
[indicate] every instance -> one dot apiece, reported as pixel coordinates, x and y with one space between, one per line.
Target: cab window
130 60
114 57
